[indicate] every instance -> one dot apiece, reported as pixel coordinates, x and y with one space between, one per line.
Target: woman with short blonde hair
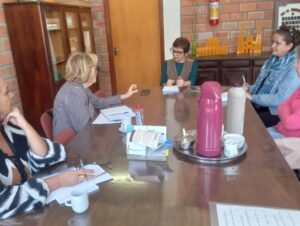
75 105
80 67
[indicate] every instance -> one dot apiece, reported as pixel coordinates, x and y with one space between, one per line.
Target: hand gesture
132 90
16 117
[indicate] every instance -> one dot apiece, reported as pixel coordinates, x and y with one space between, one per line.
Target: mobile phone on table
145 92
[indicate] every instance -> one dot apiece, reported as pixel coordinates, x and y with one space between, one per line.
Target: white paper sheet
101 119
114 115
170 89
229 214
61 194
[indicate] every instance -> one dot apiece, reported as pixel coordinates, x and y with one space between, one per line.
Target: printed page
146 138
230 214
117 113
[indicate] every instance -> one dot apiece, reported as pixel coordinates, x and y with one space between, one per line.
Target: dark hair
290 35
182 43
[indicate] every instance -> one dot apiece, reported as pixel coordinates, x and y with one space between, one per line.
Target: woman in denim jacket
278 78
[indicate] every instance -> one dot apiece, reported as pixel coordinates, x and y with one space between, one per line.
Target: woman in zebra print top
23 153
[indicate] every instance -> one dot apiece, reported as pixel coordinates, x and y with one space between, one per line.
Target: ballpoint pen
81 177
244 80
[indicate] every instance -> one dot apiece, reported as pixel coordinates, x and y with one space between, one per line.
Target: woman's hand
68 178
246 87
180 82
249 95
170 82
132 90
16 117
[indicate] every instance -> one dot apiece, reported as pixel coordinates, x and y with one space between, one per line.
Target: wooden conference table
175 192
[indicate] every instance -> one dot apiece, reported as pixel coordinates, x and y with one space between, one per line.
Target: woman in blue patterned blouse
23 153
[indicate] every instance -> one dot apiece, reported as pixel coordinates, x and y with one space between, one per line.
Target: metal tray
191 155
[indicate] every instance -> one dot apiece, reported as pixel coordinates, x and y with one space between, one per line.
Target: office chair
46 121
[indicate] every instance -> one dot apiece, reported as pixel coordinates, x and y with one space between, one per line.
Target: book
150 143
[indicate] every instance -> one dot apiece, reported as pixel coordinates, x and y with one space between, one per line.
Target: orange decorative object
247 45
212 48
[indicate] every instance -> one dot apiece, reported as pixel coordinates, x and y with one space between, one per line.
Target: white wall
171 10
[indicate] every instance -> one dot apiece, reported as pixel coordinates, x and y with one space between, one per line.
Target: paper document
101 119
117 113
146 148
170 89
90 185
230 214
114 115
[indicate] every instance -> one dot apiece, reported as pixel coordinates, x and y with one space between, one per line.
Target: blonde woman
75 105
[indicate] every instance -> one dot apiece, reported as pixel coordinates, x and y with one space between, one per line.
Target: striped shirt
25 193
75 107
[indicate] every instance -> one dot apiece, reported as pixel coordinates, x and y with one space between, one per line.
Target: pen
82 177
244 80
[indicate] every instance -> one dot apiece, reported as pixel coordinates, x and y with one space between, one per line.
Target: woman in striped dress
23 153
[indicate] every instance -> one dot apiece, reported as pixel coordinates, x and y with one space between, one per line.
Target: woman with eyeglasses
180 70
278 78
75 105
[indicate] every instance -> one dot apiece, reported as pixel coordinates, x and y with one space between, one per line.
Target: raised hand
132 90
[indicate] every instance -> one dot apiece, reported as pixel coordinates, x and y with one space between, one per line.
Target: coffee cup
230 148
79 200
126 125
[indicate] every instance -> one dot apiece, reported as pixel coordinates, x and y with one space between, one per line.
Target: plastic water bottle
235 110
139 115
209 120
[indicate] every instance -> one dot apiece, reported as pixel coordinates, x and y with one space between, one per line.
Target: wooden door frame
110 44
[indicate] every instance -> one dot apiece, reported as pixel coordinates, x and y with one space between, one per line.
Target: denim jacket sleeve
281 92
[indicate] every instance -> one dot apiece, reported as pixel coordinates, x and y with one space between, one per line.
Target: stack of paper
143 150
90 185
170 89
114 115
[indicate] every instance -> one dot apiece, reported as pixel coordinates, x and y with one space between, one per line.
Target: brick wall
7 69
249 14
233 14
101 44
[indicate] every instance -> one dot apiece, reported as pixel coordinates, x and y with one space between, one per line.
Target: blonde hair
80 67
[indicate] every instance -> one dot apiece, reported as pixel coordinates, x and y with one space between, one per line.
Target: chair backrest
46 122
63 138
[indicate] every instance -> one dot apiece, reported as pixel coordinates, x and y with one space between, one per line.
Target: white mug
126 125
230 148
79 200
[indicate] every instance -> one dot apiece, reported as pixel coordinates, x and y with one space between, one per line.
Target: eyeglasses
172 50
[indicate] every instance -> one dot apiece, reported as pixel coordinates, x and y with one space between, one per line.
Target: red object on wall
214 9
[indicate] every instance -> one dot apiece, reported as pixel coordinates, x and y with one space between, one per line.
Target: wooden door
135 43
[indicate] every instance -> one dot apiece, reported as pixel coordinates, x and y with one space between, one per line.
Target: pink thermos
209 120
